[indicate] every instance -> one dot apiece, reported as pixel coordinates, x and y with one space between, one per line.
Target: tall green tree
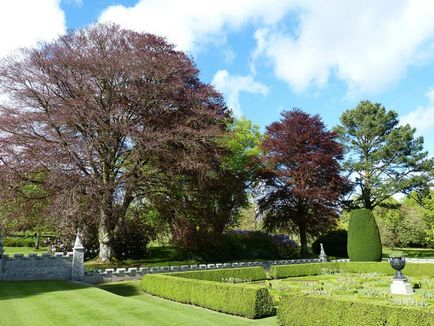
198 211
383 157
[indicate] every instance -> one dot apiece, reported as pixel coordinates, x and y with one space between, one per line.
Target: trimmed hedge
284 271
411 269
307 310
245 273
364 242
237 299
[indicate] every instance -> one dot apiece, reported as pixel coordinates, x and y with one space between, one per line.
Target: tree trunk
105 237
303 240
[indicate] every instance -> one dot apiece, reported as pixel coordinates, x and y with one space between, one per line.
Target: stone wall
43 267
35 267
123 274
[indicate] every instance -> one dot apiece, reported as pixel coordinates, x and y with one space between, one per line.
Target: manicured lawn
67 303
409 252
23 250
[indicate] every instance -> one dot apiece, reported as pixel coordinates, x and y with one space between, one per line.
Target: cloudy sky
322 56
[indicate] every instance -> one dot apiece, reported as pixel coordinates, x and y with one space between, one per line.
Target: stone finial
77 267
322 254
78 241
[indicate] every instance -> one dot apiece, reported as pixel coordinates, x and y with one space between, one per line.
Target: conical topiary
364 243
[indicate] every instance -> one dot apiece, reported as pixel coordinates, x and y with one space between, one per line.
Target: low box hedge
283 271
237 299
218 275
411 269
307 310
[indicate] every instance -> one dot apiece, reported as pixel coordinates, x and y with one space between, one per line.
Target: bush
238 299
246 273
286 247
19 242
364 243
313 310
411 269
334 242
242 244
131 239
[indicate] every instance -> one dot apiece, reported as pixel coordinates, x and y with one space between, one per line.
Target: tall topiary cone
364 243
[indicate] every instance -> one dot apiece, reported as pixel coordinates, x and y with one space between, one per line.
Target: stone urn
400 283
398 264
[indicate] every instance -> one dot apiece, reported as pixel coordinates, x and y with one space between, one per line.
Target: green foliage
411 269
385 157
334 242
235 245
243 143
298 310
19 242
403 227
364 242
218 275
131 239
238 299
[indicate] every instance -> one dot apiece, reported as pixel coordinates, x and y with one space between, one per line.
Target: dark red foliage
105 114
302 180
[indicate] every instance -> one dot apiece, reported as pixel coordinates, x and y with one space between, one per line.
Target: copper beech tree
302 182
104 115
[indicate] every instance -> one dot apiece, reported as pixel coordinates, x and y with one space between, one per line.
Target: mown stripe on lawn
65 303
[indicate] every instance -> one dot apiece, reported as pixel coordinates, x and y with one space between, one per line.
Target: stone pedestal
77 268
401 286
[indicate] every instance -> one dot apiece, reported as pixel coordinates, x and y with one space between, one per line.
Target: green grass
409 252
23 250
67 303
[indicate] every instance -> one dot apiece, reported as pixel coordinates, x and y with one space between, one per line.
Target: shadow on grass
22 289
125 289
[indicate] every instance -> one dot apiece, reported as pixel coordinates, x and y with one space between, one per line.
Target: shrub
246 273
314 310
131 240
411 269
364 243
238 299
286 247
334 242
19 242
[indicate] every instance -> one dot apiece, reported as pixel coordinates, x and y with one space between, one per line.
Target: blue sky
322 56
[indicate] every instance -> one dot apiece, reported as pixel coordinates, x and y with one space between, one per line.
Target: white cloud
192 23
422 118
232 85
368 44
25 22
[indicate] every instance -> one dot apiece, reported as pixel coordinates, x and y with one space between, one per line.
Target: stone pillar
322 254
77 268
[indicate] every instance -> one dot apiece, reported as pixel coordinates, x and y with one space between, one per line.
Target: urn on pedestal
400 283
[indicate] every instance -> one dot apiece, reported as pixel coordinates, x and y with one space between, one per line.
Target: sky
265 56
